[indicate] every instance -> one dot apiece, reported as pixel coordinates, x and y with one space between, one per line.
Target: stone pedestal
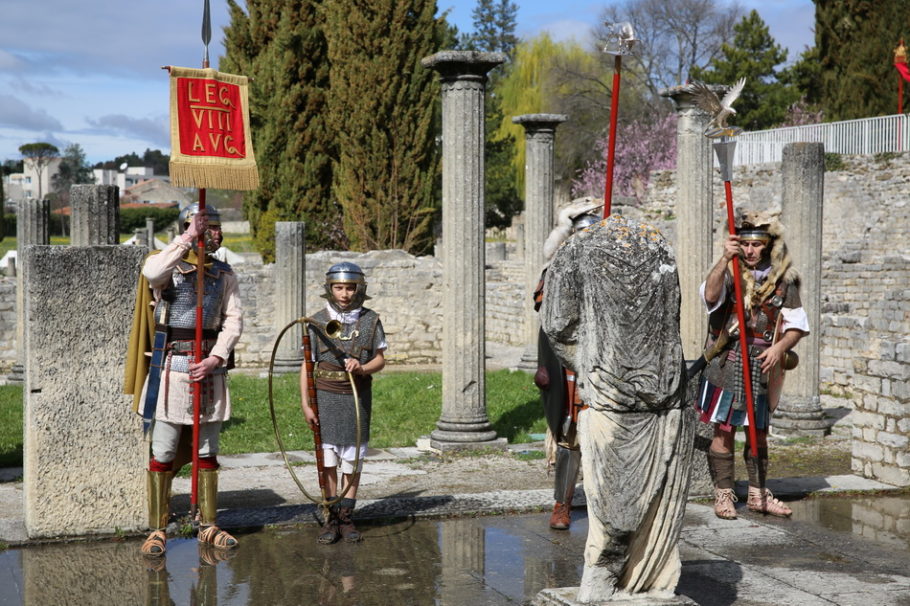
567 596
84 453
290 292
96 215
694 214
463 421
32 223
802 201
540 133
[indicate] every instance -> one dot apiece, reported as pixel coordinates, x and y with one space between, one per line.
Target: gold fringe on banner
211 171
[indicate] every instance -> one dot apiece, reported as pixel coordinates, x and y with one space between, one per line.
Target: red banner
210 130
904 70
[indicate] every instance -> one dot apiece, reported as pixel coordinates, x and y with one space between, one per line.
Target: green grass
406 406
10 425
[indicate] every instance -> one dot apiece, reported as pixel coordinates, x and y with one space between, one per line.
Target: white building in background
35 184
125 177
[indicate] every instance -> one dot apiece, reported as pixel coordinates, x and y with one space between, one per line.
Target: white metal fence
865 136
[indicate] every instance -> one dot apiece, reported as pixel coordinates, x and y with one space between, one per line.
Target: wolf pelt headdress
776 253
565 224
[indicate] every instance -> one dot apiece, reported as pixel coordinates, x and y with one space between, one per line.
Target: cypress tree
855 41
383 110
281 46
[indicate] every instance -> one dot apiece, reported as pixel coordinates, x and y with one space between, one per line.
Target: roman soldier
557 383
164 327
775 322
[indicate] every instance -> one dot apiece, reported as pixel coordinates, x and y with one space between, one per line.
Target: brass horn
331 329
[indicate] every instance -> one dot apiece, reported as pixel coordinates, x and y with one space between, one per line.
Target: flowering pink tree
641 146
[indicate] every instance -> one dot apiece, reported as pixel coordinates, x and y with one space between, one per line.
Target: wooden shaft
741 316
611 143
314 406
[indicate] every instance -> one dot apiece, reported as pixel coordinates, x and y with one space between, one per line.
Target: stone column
694 214
150 231
290 292
463 422
694 247
540 133
802 203
32 223
96 215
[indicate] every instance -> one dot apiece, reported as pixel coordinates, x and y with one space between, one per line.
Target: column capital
462 65
683 99
539 122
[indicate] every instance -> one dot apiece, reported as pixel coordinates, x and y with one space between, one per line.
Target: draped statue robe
611 312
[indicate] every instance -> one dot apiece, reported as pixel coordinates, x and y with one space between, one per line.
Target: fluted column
96 215
694 215
802 203
463 422
290 292
32 227
540 134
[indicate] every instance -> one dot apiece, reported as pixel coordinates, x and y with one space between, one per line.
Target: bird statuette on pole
719 109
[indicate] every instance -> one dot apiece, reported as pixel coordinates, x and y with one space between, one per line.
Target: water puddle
488 560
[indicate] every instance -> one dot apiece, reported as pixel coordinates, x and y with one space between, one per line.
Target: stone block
893 440
867 451
83 448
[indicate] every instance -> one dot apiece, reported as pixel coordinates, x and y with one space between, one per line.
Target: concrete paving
750 560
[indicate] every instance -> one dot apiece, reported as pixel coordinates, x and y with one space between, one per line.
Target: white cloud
14 113
152 130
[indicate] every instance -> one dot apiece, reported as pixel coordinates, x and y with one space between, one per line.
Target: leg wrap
757 468
208 496
159 496
567 464
721 467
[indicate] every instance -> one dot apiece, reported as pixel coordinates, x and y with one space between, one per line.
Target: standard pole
200 298
611 143
741 317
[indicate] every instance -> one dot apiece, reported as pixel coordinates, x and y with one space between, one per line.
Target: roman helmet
214 218
572 219
346 273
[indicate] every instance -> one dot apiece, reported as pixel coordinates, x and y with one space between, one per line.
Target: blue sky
89 73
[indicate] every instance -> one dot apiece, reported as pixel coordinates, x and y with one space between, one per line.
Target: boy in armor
775 322
557 384
358 351
169 283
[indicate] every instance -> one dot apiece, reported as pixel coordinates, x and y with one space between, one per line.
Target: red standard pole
741 317
611 144
197 345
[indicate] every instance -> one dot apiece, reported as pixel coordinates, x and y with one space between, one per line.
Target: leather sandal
155 544
724 499
762 501
214 536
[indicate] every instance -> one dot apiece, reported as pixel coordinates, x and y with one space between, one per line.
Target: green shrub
132 219
834 162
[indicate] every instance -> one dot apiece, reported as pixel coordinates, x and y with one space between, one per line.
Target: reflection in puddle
488 560
454 562
883 519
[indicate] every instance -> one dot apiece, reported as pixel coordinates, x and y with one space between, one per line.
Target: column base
16 374
799 417
528 360
567 596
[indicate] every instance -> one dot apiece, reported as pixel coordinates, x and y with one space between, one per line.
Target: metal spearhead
206 32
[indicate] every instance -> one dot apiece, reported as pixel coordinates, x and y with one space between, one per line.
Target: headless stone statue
611 311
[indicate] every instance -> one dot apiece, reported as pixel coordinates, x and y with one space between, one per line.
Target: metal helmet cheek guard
214 217
346 273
